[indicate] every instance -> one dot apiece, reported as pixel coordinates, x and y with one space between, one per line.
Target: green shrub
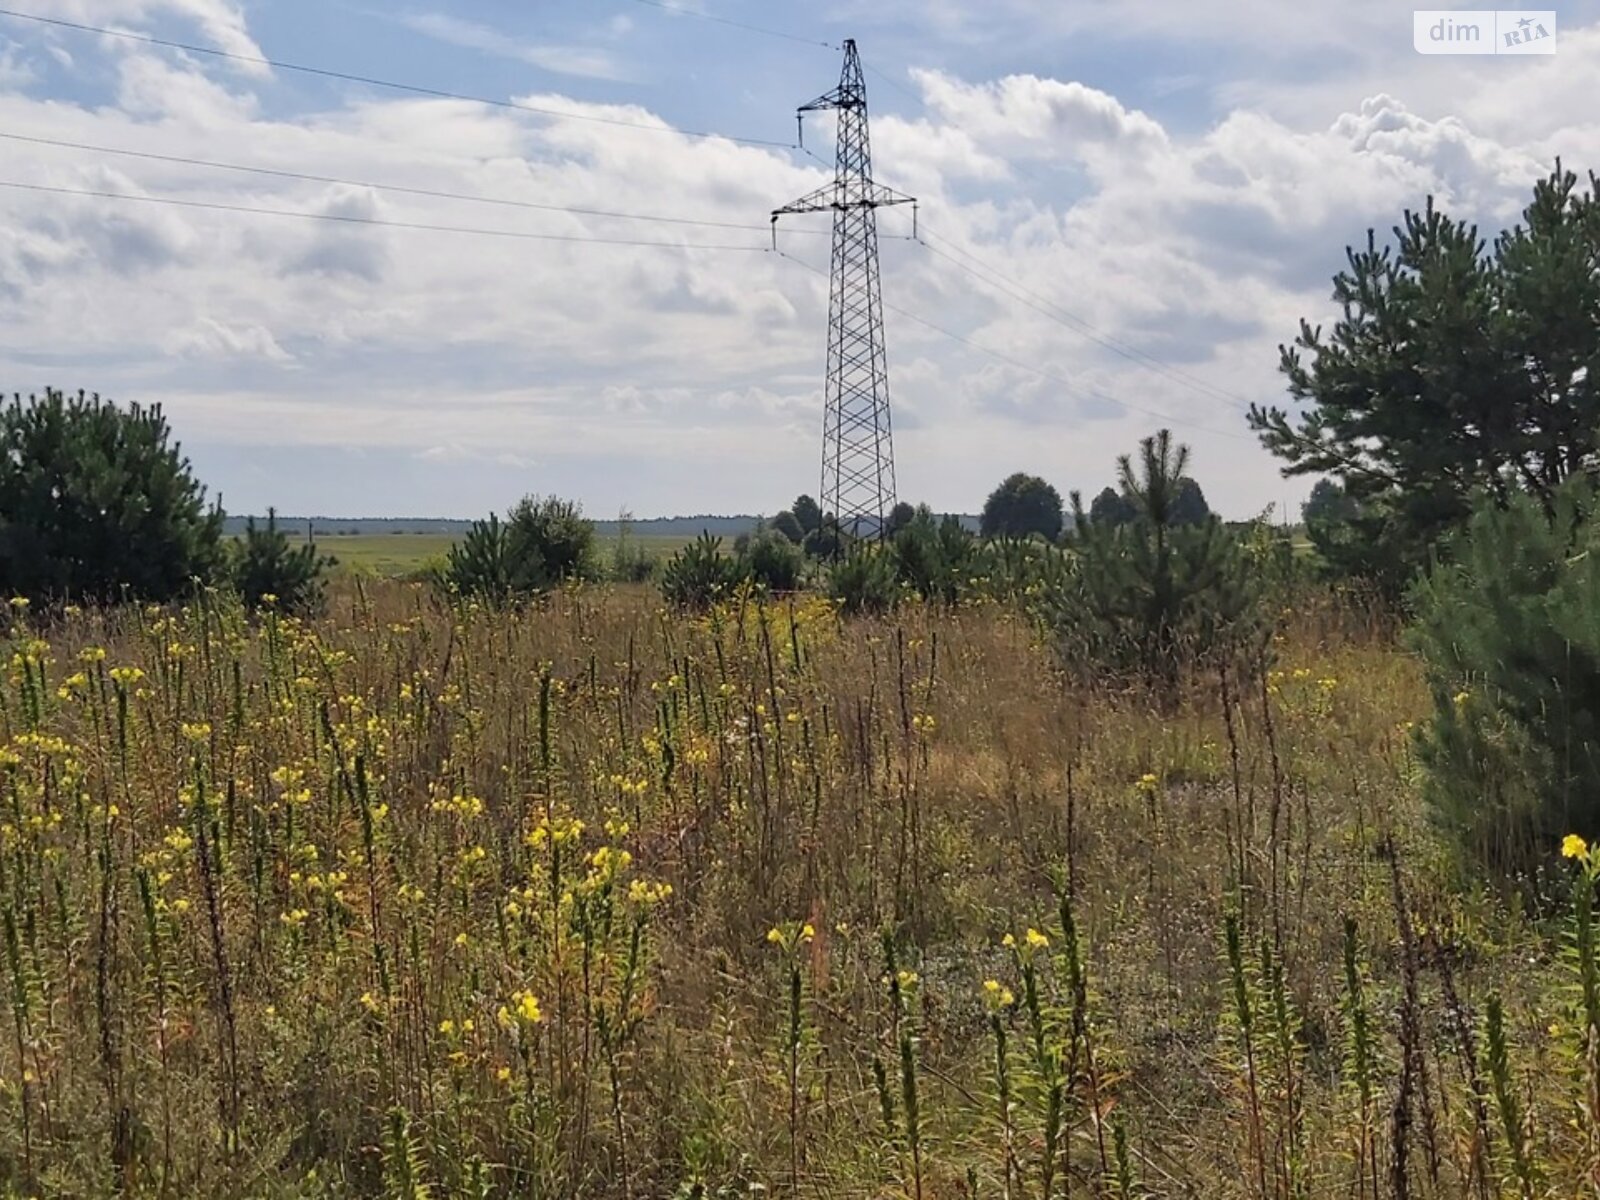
96 501
932 557
1022 571
264 563
1510 632
787 524
699 574
542 542
864 581
1151 598
487 563
555 533
630 561
826 541
774 562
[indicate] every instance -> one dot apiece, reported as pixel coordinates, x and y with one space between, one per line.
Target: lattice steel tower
857 445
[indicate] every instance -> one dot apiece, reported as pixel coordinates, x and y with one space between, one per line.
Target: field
600 900
394 555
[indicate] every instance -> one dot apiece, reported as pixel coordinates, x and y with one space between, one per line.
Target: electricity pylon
857 443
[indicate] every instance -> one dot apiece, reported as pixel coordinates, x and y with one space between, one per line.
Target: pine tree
97 502
1510 632
1450 370
1151 596
931 557
263 563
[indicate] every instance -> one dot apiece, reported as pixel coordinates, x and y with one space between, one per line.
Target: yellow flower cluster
647 894
792 935
464 806
522 1012
608 861
997 996
556 832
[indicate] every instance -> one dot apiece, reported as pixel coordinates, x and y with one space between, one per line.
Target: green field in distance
396 554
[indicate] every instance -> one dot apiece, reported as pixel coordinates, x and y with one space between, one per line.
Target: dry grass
304 911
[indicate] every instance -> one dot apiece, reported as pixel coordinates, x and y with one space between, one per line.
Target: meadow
598 899
396 555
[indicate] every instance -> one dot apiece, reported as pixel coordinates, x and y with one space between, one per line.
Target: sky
1125 207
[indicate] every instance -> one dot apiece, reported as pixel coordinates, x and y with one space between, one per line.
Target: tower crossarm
844 194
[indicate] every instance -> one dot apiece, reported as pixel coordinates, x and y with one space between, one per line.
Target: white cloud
582 61
220 21
1060 119
209 338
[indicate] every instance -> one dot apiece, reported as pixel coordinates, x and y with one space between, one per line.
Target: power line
372 81
1075 388
431 193
348 219
1040 304
681 11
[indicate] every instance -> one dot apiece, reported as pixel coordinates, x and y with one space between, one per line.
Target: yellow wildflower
1573 846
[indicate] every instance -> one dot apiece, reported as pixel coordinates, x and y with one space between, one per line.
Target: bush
826 541
699 574
931 558
487 564
863 581
1510 633
95 499
1152 598
788 525
1021 571
263 563
630 561
542 541
554 532
773 561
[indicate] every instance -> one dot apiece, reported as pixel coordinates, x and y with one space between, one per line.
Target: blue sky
1170 183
